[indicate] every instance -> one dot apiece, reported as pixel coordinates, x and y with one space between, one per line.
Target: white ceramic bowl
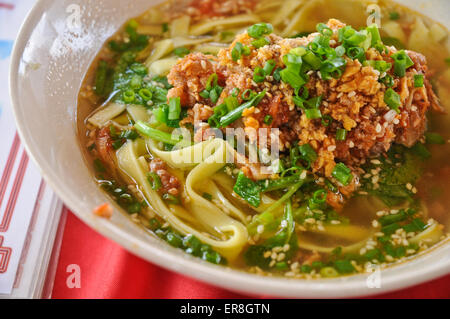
50 59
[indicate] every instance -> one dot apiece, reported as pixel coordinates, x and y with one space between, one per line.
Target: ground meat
169 183
190 76
354 102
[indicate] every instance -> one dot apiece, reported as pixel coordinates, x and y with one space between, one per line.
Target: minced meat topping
367 103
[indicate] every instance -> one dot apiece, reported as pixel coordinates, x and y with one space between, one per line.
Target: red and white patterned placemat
26 204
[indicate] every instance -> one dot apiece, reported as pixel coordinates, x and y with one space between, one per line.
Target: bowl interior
50 59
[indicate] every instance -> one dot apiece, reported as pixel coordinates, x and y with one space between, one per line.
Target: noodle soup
278 137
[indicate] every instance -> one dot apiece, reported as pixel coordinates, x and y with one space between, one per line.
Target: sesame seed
260 229
378 128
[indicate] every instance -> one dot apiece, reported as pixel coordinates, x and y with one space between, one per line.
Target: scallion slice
392 99
342 173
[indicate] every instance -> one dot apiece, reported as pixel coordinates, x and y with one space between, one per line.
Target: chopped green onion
231 103
129 96
212 81
248 95
392 99
268 119
326 120
418 80
306 268
292 78
239 50
308 153
332 68
260 29
356 53
324 29
154 180
204 94
181 52
300 51
313 114
341 134
328 272
268 67
259 43
173 200
235 92
259 75
374 34
174 240
356 39
340 50
174 108
394 15
314 102
320 196
381 65
402 63
388 81
129 135
145 94
312 60
344 266
277 75
342 173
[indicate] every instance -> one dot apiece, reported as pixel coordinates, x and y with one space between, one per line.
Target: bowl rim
231 279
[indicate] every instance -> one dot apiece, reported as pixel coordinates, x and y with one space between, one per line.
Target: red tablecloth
108 271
